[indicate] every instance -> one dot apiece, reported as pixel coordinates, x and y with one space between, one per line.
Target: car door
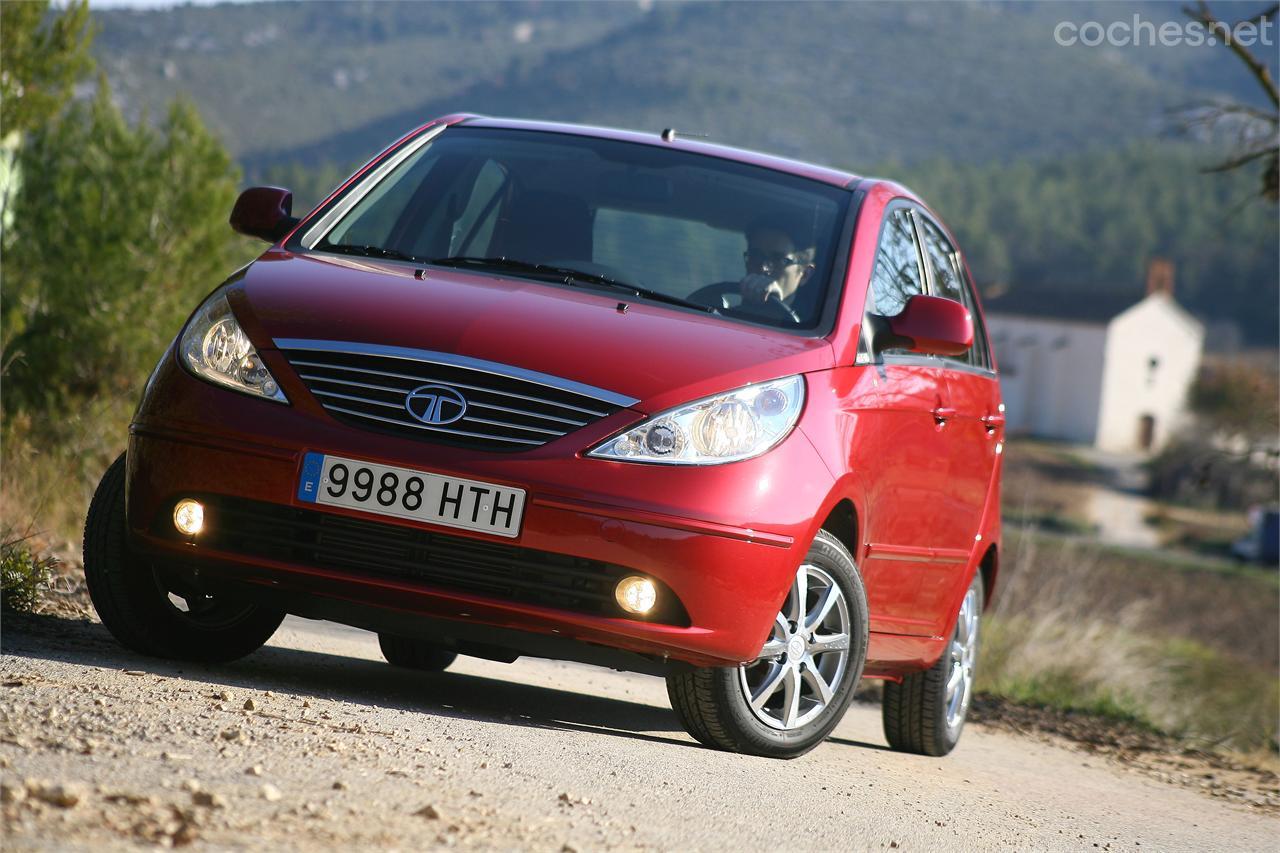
899 444
972 435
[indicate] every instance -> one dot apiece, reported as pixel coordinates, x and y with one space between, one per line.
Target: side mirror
263 212
928 324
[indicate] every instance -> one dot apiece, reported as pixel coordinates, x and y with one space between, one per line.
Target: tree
1238 399
1259 129
1228 457
119 231
41 60
1092 220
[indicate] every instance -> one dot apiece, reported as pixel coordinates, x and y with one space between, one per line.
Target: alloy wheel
964 655
803 662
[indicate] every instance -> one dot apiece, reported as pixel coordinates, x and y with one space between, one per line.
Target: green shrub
22 575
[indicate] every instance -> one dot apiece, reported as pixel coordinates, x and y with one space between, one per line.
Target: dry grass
1193 653
49 469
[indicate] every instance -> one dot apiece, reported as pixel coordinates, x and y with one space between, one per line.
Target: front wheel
926 712
788 700
157 612
409 653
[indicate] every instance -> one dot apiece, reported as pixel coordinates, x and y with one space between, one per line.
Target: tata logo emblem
436 405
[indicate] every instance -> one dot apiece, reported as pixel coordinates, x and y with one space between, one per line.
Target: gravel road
314 742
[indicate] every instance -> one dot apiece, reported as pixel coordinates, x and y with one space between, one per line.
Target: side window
981 351
949 281
896 277
941 260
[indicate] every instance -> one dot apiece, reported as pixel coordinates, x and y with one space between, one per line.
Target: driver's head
772 251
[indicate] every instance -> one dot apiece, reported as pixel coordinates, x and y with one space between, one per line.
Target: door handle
942 414
993 422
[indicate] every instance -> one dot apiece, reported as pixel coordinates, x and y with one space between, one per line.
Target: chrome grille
507 408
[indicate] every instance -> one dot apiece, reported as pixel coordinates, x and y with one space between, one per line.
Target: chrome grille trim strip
471 404
452 360
313 378
571 423
496 438
442 382
365 400
470 420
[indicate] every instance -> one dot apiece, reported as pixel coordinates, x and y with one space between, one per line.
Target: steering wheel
773 302
719 296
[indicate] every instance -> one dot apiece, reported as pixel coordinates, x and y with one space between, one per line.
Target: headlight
216 348
723 428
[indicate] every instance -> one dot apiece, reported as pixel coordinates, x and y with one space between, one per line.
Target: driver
776 268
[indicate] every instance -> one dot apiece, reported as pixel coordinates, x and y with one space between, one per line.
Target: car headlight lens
723 428
217 349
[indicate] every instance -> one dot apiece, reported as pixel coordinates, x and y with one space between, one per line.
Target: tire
415 654
713 703
134 600
921 715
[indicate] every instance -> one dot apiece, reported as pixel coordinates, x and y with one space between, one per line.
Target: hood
657 355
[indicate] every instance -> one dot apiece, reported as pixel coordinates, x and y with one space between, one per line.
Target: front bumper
725 540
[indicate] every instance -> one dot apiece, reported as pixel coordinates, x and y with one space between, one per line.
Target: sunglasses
769 263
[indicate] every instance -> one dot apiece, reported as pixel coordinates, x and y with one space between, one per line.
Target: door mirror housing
264 212
930 325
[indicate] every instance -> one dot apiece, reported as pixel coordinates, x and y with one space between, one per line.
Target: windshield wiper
571 276
365 251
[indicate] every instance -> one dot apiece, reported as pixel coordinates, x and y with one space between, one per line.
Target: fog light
188 516
636 594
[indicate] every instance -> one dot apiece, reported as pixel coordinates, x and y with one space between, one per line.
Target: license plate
407 493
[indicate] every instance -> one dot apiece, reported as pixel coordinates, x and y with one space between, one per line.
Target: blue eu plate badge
309 482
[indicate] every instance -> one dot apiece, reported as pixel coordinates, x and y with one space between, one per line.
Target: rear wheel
162 612
789 699
415 654
926 712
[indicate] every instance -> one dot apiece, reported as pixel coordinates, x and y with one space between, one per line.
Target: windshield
691 230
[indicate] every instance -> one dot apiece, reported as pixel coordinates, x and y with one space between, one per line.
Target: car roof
824 174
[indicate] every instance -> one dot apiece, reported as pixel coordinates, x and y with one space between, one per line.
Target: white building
1100 368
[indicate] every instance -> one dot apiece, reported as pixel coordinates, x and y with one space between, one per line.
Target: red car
520 388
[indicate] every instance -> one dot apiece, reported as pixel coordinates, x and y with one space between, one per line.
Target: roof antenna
669 134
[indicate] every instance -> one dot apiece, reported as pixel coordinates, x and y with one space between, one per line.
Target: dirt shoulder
1245 780
313 742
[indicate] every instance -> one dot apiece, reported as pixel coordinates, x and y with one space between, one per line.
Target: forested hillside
1091 221
843 83
271 77
1056 166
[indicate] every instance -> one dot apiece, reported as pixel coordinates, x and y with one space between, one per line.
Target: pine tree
119 231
